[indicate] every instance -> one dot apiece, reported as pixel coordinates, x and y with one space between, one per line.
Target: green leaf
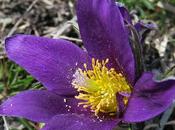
148 4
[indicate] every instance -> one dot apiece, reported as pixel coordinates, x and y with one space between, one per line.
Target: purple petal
121 104
78 122
38 105
124 12
104 34
51 61
141 25
144 28
149 98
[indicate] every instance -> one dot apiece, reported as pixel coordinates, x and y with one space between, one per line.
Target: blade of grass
26 124
5 123
165 117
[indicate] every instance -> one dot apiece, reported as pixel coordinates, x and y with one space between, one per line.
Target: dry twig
21 19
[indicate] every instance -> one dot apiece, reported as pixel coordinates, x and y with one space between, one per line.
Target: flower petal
78 122
104 34
36 105
51 61
149 98
144 28
140 26
124 12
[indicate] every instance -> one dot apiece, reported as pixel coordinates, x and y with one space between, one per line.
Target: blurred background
57 19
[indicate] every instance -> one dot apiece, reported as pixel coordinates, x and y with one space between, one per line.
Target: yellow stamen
99 86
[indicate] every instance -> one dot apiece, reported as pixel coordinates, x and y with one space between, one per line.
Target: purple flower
90 90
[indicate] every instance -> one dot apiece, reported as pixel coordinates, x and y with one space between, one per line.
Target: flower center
98 88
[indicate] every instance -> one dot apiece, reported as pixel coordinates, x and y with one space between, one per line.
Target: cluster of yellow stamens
99 86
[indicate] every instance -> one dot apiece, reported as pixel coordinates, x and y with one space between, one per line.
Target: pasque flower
92 89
